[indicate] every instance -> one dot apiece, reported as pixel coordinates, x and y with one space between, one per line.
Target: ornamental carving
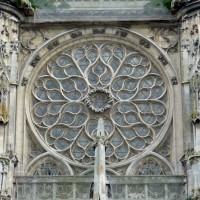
190 43
166 38
99 100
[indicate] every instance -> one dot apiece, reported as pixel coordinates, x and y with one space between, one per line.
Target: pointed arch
48 165
151 164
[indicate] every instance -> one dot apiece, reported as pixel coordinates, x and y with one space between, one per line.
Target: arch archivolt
44 158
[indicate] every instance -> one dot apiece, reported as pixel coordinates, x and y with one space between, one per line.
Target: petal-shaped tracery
92 80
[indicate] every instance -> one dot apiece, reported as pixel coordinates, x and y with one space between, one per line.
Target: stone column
190 58
9 49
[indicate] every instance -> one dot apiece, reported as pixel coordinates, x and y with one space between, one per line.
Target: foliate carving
35 60
190 42
9 49
9 44
99 100
144 43
53 44
14 47
166 38
99 31
174 80
121 33
76 34
162 60
24 81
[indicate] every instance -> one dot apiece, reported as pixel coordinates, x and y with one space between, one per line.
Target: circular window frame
150 54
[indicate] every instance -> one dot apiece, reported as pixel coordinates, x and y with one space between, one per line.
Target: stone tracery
139 102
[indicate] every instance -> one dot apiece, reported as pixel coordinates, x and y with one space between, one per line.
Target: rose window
92 80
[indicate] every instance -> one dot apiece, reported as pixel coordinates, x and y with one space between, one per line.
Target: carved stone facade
140 77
